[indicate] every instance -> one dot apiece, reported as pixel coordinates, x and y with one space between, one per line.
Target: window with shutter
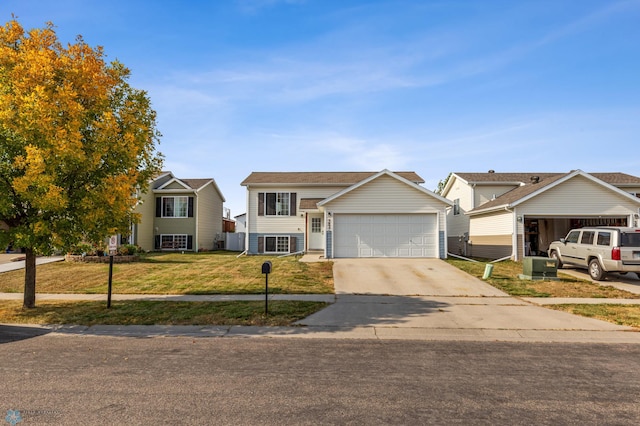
176 206
277 204
276 244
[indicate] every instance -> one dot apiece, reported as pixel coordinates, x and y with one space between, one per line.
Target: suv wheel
595 270
554 255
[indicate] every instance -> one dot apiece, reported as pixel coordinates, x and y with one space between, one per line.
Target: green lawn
618 314
175 273
505 277
281 313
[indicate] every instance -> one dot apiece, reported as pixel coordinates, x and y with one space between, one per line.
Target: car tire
554 255
595 270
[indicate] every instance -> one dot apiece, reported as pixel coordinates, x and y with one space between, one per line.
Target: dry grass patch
175 273
505 277
281 313
618 314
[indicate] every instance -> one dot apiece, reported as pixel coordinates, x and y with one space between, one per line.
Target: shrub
128 250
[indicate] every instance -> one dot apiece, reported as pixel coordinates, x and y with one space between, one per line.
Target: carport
540 231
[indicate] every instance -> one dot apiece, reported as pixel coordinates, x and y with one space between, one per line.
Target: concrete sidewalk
6 264
327 298
383 318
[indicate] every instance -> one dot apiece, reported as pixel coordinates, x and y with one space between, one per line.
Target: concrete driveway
407 277
417 298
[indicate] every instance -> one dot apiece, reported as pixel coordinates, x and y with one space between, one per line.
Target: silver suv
600 250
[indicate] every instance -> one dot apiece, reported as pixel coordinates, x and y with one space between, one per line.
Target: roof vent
492 171
535 179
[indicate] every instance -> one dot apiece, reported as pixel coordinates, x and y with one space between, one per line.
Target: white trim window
276 244
276 204
175 206
173 242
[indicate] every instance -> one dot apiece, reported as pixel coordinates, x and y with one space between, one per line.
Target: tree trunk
30 280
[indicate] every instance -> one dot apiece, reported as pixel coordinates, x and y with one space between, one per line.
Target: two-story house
344 214
179 214
498 215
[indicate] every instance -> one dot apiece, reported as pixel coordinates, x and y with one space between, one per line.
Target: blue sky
336 85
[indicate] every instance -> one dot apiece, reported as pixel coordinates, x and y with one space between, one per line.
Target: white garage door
382 235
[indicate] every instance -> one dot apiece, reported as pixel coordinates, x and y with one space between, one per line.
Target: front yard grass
618 314
281 313
175 273
505 277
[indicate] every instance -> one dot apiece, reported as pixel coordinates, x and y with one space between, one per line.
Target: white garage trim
385 235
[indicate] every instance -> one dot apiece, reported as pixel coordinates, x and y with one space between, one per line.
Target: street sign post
113 247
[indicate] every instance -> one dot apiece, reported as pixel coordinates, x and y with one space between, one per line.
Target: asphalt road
83 380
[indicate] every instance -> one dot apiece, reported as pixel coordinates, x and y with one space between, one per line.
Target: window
630 239
572 237
604 238
276 244
276 204
316 225
175 206
587 237
173 242
456 206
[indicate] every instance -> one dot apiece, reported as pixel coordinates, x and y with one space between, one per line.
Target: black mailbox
266 267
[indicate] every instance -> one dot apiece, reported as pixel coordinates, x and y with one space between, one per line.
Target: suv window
629 239
604 238
572 237
587 237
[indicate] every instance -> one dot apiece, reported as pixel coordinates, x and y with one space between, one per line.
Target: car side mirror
563 241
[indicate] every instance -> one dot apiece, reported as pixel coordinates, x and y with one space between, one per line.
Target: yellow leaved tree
76 141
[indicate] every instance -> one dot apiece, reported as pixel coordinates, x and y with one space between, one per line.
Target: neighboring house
344 214
179 214
241 221
498 215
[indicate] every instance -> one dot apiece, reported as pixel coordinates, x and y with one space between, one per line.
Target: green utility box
539 268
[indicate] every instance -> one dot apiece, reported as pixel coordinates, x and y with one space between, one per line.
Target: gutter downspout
197 217
514 236
246 223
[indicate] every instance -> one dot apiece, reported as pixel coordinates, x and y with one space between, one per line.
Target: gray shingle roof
196 183
528 186
327 178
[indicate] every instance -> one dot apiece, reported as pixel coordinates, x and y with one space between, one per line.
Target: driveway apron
430 294
407 277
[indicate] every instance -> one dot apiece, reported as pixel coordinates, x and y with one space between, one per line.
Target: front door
316 232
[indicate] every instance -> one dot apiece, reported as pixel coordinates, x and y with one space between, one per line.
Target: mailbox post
266 270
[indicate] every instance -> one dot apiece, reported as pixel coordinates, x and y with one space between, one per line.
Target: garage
385 235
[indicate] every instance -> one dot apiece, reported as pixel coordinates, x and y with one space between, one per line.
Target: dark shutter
189 242
157 242
292 200
159 207
260 244
190 209
260 203
293 247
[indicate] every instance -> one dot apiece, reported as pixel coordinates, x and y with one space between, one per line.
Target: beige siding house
519 214
179 214
344 214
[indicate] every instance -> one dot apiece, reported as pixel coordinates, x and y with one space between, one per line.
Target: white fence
234 241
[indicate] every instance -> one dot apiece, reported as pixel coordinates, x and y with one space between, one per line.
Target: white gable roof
385 172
